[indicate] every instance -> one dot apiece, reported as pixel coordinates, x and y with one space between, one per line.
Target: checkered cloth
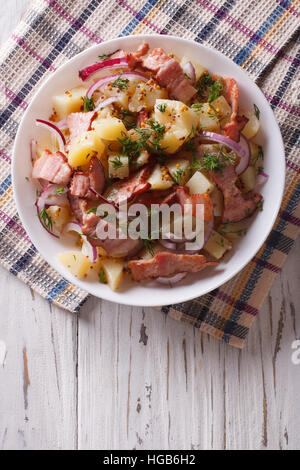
260 36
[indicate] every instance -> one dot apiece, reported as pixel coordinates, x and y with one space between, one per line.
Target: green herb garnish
116 162
215 90
203 83
60 191
92 210
162 107
46 219
178 176
121 83
256 111
102 278
104 56
197 106
88 104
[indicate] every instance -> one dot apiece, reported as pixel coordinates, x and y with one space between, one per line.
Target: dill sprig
46 219
88 104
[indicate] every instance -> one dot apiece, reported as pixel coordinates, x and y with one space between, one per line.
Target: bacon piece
169 74
77 206
167 196
184 197
133 186
95 178
52 167
167 264
237 123
237 206
133 58
116 247
79 123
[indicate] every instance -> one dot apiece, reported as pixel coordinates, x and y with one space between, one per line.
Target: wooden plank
38 386
146 381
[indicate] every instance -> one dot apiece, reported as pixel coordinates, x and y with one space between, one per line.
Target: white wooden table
121 378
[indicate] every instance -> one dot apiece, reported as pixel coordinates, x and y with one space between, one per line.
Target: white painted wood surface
122 378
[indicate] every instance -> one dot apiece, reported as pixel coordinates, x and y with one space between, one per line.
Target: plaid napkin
258 35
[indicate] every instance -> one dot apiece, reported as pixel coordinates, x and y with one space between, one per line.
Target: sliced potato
159 178
179 170
145 96
180 121
110 128
60 216
217 245
223 109
173 140
68 102
176 115
118 166
76 262
248 178
252 127
113 272
207 118
199 183
217 200
84 147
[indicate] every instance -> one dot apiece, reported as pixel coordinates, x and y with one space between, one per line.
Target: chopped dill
88 104
120 83
45 219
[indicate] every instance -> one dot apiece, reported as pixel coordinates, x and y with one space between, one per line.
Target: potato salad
142 131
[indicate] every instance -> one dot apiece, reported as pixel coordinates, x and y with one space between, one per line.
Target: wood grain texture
121 378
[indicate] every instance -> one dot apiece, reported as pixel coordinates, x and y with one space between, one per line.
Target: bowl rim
35 239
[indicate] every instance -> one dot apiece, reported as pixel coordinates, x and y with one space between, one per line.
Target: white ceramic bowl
153 294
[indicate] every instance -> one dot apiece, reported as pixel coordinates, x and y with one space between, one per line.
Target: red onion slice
189 70
55 130
242 148
171 280
87 72
74 227
262 178
99 84
103 199
102 104
87 248
49 197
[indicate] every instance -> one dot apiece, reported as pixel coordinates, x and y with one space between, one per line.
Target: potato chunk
60 216
217 245
84 147
118 166
179 170
199 184
110 128
160 179
252 127
76 262
208 118
68 102
179 120
113 270
223 110
145 97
